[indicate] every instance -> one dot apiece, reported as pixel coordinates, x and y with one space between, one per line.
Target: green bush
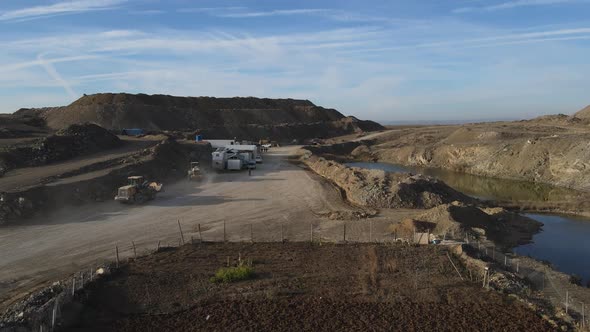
233 274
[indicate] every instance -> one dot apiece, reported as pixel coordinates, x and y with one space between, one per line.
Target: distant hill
246 117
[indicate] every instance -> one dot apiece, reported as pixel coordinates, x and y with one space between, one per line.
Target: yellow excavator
138 191
194 172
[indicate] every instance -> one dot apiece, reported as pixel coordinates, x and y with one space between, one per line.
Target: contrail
56 76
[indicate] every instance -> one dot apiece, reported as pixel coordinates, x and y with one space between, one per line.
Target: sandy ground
277 193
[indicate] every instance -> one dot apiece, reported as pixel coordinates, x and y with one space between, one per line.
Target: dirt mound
583 113
70 142
379 189
215 116
501 226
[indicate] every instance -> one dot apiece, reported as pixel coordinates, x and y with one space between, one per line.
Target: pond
564 240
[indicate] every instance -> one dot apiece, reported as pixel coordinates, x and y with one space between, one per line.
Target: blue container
198 138
133 131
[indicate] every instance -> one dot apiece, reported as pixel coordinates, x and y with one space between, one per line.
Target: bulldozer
138 191
194 172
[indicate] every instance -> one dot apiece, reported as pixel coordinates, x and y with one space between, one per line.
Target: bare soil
298 286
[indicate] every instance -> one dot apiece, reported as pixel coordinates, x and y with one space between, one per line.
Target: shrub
576 279
233 274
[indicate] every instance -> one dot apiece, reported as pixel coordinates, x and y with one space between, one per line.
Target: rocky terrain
247 118
72 141
550 149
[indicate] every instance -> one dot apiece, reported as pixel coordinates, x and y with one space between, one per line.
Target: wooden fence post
134 250
117 253
181 234
200 234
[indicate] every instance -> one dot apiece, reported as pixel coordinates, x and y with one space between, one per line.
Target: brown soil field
297 286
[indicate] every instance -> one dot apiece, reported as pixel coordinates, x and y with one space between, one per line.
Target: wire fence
50 302
553 286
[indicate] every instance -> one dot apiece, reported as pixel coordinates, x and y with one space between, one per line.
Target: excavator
194 172
138 191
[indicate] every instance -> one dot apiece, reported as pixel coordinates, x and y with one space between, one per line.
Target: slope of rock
556 155
583 113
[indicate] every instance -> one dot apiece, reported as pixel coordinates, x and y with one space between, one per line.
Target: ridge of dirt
247 118
583 113
379 189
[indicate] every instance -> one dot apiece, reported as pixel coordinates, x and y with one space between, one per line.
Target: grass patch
233 274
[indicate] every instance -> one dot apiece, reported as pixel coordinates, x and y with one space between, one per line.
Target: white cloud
515 4
59 8
305 11
50 69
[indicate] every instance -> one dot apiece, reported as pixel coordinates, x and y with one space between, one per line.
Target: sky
388 61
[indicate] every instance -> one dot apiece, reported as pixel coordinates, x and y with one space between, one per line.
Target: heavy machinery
138 190
194 172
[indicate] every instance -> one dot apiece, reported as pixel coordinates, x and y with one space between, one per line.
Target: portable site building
221 143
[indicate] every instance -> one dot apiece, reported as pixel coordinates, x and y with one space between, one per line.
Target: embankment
554 155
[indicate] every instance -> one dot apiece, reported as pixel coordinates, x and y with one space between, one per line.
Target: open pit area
58 217
296 286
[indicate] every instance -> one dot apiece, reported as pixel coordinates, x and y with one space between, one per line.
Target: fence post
517 263
583 315
251 234
344 232
117 252
158 248
200 235
134 250
53 315
180 229
567 301
73 285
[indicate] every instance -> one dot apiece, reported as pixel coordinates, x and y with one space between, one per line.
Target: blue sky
382 60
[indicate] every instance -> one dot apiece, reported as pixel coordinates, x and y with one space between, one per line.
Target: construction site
108 223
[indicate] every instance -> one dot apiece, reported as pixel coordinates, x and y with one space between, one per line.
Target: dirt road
23 178
279 191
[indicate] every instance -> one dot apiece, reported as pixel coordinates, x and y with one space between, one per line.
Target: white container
234 164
